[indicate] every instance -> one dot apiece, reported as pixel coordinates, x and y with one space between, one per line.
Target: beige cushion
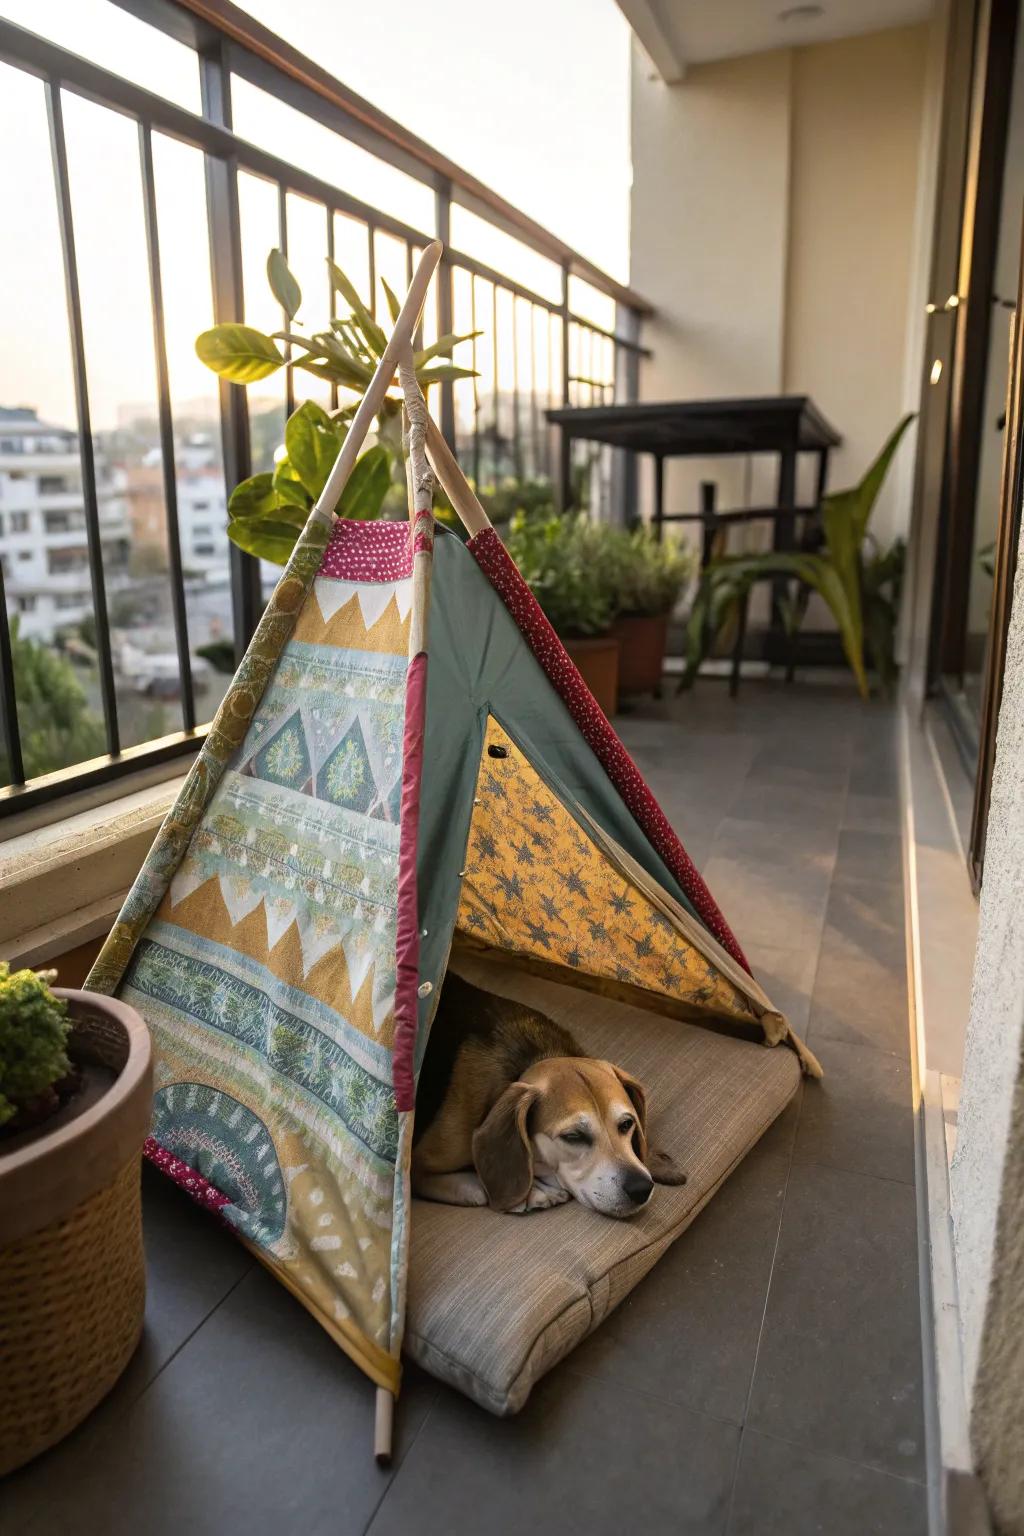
497 1300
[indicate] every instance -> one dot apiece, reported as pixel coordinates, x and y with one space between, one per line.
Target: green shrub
648 576
34 1029
565 562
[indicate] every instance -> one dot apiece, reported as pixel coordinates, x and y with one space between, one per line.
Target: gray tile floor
765 1378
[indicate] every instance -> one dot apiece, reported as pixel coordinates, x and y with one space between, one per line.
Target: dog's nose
637 1186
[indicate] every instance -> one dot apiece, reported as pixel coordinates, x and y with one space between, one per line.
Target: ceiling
678 33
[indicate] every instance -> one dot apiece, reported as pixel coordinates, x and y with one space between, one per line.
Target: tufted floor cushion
497 1300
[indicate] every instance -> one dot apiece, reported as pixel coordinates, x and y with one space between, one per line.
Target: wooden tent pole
446 467
383 1426
383 378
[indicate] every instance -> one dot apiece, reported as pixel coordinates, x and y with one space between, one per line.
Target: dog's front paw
541 1198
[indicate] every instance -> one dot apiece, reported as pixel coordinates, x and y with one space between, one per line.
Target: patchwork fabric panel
537 885
268 973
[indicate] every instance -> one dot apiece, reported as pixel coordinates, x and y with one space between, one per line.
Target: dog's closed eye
577 1138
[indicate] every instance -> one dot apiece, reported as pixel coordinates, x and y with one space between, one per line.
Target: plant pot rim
63 1166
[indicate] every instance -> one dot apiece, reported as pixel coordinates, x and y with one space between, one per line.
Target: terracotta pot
598 661
642 639
72 1269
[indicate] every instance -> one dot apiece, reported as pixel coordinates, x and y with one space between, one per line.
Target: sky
532 99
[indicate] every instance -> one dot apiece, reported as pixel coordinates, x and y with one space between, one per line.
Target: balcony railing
563 333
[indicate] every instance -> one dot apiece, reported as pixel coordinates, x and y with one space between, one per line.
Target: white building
43 542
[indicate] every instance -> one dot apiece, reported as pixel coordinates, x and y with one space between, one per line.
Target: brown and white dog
510 1113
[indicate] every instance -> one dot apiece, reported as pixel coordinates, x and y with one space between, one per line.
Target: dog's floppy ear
662 1168
502 1154
638 1098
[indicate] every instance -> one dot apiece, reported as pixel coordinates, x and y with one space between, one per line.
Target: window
200 506
19 522
203 549
69 600
24 554
25 604
52 485
60 561
57 522
201 530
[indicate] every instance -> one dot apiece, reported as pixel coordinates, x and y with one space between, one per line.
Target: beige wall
775 226
855 142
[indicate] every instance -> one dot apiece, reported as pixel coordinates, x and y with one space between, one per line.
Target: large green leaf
289 487
266 539
313 442
282 284
442 347
255 497
238 353
375 337
367 485
394 304
442 373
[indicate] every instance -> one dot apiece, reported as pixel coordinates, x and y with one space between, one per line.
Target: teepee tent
407 772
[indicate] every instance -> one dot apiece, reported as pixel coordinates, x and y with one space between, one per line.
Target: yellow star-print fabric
537 886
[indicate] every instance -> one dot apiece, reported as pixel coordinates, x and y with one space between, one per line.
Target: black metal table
785 425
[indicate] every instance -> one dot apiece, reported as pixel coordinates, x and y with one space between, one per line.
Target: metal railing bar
224 226
494 379
36 55
491 275
620 341
476 385
446 307
166 428
86 454
517 447
99 770
332 298
8 696
534 410
282 240
388 138
371 244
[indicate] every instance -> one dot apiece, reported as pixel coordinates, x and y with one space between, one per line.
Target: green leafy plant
648 575
34 1030
860 586
565 562
268 511
57 726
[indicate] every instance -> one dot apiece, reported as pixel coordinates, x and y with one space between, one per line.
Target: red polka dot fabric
201 1190
375 551
500 569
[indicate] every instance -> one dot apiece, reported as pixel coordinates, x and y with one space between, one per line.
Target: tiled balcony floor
765 1380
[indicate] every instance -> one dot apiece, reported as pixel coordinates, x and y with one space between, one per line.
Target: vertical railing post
625 484
228 304
165 419
446 305
86 452
9 729
565 440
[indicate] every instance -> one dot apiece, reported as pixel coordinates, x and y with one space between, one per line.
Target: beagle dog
510 1113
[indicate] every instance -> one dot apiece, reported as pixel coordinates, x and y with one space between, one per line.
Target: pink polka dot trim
500 569
201 1190
375 551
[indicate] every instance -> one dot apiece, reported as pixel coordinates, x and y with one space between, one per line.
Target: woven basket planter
72 1269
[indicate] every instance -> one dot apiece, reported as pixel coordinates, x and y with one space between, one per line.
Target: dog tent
407 771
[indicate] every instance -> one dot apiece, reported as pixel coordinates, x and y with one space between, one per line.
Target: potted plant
75 1090
649 577
564 561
